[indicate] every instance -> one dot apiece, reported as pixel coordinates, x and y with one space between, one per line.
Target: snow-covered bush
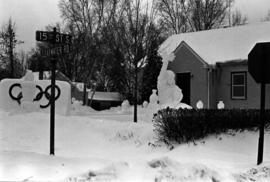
188 125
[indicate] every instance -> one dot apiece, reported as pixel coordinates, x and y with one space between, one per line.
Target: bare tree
267 17
206 14
85 20
193 15
172 15
238 18
135 29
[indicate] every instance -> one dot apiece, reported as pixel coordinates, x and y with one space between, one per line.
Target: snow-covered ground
108 146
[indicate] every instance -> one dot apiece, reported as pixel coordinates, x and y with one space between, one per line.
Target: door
183 82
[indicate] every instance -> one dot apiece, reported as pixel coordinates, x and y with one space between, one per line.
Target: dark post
135 93
40 67
84 94
52 100
262 123
262 119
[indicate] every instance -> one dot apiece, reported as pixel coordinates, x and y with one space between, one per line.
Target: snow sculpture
153 98
153 105
75 104
125 106
221 105
169 94
145 104
28 92
62 104
199 104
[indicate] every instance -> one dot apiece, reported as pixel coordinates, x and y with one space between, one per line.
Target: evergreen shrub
188 125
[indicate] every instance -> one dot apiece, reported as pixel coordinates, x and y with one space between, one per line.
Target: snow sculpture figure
221 105
169 94
199 104
145 104
125 106
154 98
28 92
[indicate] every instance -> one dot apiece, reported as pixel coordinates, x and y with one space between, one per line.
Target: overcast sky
32 15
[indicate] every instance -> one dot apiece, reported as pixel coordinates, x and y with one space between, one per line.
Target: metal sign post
52 108
262 124
54 38
52 100
262 116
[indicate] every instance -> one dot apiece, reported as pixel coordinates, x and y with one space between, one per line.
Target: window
239 85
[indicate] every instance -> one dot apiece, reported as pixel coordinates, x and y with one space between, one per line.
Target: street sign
64 49
53 37
56 39
258 67
259 62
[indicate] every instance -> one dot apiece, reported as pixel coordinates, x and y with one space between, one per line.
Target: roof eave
233 62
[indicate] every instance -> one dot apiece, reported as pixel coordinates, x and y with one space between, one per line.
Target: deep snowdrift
106 146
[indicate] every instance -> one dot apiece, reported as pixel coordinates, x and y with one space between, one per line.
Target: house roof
221 45
105 96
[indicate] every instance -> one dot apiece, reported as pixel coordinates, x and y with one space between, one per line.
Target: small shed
104 100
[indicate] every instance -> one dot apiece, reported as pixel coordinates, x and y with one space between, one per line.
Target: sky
32 15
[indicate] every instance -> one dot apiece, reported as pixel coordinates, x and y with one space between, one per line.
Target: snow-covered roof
105 96
221 45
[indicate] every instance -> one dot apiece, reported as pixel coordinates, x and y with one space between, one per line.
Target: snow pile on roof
221 45
105 96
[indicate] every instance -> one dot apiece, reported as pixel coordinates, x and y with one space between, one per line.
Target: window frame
233 85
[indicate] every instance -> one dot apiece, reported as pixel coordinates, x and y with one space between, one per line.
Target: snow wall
62 104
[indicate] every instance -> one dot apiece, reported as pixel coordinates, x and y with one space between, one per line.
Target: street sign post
258 64
54 38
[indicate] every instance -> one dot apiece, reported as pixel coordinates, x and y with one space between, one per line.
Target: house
211 66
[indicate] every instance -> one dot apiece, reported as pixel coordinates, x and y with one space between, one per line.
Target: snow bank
171 170
63 103
92 148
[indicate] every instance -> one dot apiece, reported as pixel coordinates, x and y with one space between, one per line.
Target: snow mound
77 108
261 173
169 170
62 104
111 172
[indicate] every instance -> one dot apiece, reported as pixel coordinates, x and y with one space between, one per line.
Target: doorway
183 82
